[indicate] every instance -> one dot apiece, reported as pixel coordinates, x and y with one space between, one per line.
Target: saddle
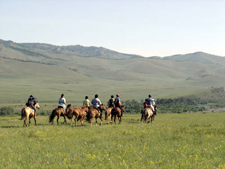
97 109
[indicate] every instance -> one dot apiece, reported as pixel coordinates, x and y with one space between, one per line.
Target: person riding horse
86 102
111 102
31 103
62 102
150 103
96 103
118 103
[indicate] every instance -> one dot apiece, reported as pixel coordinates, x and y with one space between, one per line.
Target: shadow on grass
10 126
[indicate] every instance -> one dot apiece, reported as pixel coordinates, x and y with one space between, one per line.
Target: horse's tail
22 113
114 112
89 116
52 116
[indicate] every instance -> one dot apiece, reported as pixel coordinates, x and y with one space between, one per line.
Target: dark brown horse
27 112
57 112
79 113
117 112
93 113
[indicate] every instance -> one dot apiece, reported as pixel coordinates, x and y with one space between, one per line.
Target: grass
171 141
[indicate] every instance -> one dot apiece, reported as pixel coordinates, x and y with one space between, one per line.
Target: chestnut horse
28 112
117 112
108 114
79 113
59 111
93 113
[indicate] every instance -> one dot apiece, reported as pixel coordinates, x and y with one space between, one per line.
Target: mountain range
49 70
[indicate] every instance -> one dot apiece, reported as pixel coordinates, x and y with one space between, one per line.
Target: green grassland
191 140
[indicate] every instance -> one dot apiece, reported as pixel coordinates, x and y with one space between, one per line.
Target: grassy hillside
46 71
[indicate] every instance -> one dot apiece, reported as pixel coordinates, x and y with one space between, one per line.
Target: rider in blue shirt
118 103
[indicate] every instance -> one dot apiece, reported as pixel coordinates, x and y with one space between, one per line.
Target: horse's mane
69 105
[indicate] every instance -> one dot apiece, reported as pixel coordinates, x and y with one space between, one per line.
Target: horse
28 112
117 112
93 113
108 113
143 114
79 113
59 111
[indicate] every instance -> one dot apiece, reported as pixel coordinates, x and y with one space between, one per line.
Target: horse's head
37 105
102 107
68 107
122 108
155 107
85 108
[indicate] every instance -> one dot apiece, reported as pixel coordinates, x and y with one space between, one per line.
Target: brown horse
117 112
152 117
93 113
108 114
28 112
59 111
79 113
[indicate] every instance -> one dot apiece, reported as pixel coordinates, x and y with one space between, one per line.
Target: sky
142 27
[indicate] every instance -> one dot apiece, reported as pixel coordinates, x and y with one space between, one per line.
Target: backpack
116 102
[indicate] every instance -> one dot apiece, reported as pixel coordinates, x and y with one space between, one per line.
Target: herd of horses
84 112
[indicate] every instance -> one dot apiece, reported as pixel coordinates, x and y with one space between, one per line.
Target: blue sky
143 27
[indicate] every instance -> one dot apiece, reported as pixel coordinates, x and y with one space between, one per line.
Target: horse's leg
81 121
120 119
108 119
91 121
96 121
58 119
64 119
111 118
71 121
115 119
29 121
25 122
35 121
101 121
75 120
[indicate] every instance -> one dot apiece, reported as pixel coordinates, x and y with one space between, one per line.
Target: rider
111 102
62 102
150 102
118 103
31 103
96 103
86 102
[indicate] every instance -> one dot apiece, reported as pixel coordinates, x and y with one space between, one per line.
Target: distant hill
47 70
76 50
198 57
